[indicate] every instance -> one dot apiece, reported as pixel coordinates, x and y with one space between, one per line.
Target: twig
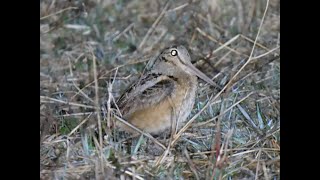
191 164
258 165
78 126
52 100
109 100
225 45
254 45
154 25
97 108
264 54
102 76
177 8
58 12
228 109
124 31
216 145
138 130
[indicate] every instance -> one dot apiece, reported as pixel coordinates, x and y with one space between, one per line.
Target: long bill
198 73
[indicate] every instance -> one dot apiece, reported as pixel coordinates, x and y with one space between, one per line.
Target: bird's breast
158 117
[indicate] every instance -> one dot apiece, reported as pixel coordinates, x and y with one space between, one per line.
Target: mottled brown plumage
164 94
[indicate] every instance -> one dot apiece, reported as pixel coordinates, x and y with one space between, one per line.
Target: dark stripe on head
164 59
181 60
173 78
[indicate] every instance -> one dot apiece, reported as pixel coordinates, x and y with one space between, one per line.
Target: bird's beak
198 73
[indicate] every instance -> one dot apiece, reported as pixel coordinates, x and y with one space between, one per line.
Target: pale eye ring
174 52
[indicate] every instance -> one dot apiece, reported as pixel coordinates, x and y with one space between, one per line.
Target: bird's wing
149 90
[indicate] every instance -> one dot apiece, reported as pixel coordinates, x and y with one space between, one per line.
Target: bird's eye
174 53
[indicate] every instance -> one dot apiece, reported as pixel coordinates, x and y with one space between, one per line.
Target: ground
90 51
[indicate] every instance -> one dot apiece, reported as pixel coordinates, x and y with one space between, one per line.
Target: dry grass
91 50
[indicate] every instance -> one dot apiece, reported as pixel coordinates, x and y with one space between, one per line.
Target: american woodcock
164 95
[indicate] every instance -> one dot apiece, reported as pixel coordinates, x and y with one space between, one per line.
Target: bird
164 95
